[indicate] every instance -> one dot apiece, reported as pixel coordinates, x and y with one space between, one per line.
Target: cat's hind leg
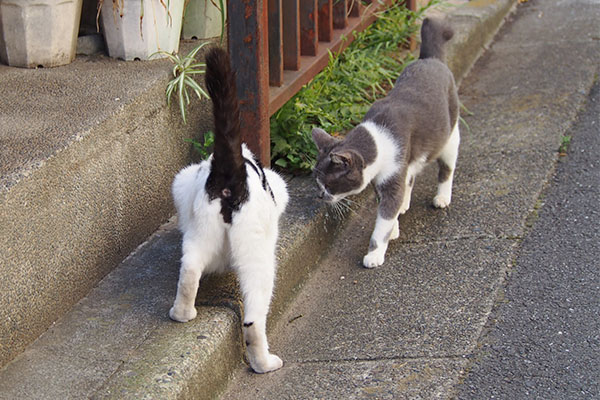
199 255
255 267
410 182
447 164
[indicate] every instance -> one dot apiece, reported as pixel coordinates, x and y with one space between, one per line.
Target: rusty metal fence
277 46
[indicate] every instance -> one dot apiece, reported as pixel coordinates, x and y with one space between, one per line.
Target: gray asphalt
543 339
497 296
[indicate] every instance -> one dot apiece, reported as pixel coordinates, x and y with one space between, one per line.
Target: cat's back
424 94
268 192
425 77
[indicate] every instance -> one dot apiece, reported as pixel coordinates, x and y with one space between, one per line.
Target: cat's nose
321 195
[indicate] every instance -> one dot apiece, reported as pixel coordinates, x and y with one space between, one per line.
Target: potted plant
204 19
137 29
39 33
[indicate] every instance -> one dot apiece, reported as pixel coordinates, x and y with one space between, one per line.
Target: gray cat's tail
227 178
434 35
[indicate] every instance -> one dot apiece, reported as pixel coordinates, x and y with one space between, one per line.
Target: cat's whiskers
340 209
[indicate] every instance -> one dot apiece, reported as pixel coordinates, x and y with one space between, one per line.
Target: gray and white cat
415 124
228 208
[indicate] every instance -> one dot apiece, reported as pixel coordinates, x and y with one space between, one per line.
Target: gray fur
444 172
341 162
390 195
372 245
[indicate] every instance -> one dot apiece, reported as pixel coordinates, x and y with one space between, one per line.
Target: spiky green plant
183 72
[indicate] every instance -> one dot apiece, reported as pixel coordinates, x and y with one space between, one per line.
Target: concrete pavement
542 339
432 321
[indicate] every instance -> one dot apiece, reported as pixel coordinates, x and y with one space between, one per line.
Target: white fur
413 169
449 155
385 165
247 245
385 230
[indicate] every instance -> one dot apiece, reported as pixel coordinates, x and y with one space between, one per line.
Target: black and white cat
415 124
228 208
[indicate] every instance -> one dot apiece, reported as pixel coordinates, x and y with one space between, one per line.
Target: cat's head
339 167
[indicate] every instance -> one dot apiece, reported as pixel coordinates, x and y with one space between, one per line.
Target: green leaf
280 162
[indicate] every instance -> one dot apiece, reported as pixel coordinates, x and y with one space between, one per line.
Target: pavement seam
377 359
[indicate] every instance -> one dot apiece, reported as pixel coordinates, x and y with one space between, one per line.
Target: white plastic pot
142 28
38 33
202 20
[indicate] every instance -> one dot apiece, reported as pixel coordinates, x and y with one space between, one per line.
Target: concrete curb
155 358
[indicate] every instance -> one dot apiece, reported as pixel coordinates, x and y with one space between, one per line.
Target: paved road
544 336
471 300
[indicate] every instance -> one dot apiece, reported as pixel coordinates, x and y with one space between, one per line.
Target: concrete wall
69 216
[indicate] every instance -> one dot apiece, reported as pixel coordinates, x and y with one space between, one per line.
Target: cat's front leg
385 230
391 194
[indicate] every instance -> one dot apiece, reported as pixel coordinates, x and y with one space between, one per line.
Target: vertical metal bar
412 6
340 14
355 8
275 43
248 48
291 35
325 20
309 28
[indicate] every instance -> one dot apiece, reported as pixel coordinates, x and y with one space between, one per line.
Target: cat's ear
321 138
344 158
348 159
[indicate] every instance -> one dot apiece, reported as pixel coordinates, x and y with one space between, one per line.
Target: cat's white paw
441 201
268 364
183 315
403 209
373 259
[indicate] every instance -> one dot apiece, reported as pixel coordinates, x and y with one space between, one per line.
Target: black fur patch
258 168
227 179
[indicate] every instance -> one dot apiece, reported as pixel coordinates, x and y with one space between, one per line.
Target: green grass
338 97
564 145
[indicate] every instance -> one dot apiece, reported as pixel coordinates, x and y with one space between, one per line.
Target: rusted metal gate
277 46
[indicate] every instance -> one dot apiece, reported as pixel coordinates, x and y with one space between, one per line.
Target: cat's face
338 171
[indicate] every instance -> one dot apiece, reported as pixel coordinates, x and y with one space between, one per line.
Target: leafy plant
183 72
338 97
204 149
565 141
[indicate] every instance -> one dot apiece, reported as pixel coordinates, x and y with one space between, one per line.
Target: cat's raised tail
227 179
434 35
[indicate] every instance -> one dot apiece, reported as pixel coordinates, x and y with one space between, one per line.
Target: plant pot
38 33
202 20
142 28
